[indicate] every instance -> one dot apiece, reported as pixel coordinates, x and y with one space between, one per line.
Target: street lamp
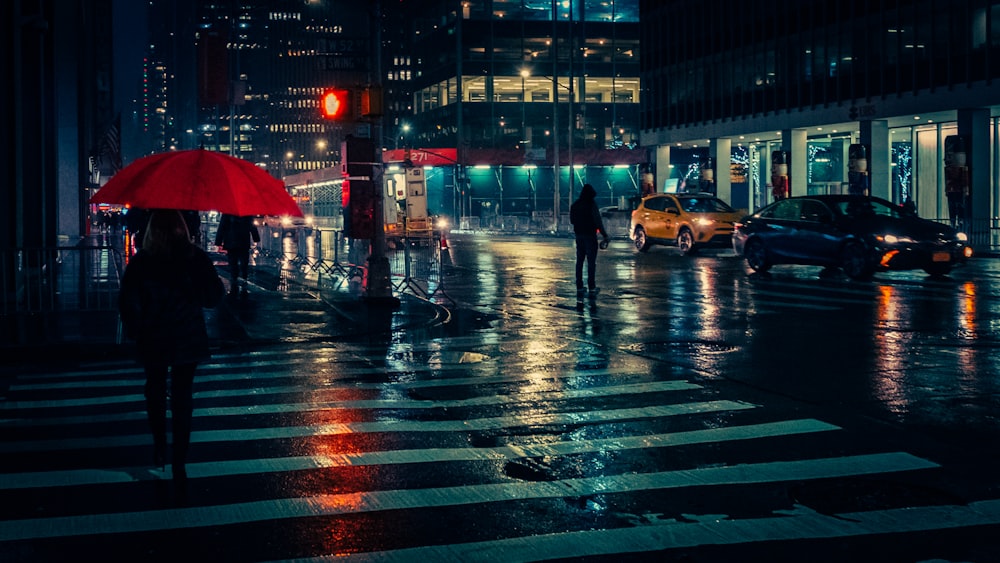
404 129
323 153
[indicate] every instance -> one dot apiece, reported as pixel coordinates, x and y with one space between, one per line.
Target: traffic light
371 102
358 198
336 104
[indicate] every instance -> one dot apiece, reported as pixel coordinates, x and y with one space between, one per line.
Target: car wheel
756 256
854 262
641 242
938 269
685 241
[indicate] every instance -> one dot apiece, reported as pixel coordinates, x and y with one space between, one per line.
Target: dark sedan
861 235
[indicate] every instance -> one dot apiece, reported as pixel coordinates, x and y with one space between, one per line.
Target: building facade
517 89
263 66
60 67
897 98
489 81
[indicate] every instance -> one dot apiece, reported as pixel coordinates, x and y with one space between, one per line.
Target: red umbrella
198 180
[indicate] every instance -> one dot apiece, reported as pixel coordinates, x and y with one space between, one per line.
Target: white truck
405 207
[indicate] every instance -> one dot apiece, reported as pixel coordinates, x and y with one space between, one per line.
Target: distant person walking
193 219
166 286
235 235
586 220
135 221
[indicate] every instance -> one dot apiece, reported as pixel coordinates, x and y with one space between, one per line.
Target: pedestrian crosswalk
312 453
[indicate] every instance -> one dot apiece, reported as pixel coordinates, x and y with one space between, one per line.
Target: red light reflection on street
967 330
891 347
967 320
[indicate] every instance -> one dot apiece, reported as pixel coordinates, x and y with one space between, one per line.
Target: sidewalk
288 307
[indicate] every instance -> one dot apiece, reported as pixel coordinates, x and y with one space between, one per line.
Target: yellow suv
687 221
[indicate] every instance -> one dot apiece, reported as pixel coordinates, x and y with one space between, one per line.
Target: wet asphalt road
688 412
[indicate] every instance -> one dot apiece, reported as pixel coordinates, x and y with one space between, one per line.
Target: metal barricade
984 234
324 257
78 278
60 294
417 268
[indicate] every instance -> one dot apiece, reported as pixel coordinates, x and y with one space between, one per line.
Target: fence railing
984 234
78 278
60 294
335 263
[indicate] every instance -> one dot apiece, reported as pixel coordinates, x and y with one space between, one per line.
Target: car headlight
441 223
895 239
703 221
962 237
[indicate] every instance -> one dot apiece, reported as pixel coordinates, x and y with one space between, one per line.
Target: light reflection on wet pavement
687 411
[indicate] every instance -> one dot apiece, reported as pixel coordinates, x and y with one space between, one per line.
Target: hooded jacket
585 216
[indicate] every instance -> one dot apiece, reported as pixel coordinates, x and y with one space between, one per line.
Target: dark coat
161 304
236 232
586 216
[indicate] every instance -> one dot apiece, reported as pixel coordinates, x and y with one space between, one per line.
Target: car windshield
865 207
704 205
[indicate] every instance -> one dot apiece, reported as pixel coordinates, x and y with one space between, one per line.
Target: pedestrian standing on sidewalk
586 220
236 234
135 221
164 291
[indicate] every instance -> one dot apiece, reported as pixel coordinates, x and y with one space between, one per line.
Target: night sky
130 43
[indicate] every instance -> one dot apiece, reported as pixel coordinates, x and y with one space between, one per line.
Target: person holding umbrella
195 181
164 291
235 235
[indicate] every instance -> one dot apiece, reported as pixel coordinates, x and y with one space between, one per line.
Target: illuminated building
522 86
901 79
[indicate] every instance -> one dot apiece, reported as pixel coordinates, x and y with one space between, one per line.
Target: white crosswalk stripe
275 416
452 496
674 534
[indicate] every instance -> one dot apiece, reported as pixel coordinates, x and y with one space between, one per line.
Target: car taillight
737 225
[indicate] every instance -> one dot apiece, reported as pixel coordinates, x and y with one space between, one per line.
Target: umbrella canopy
198 180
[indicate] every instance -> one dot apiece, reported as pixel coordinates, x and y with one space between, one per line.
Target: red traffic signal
336 104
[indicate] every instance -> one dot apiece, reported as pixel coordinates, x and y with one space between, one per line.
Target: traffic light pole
379 292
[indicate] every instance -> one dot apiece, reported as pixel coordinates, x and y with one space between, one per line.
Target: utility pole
571 117
555 118
379 291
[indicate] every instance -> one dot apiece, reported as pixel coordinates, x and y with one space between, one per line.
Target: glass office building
896 98
263 66
519 88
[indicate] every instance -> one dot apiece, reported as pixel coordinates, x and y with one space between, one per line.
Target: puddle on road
457 357
698 346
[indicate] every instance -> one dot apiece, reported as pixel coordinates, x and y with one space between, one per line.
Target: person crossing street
236 235
586 220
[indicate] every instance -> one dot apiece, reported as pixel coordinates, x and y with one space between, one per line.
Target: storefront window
825 166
